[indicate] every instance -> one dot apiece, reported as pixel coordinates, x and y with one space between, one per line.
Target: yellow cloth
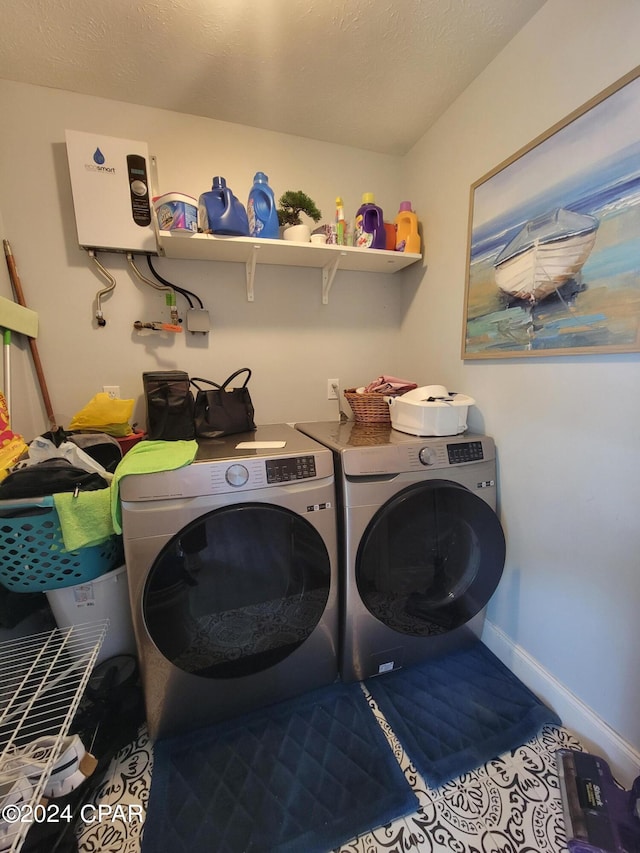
104 414
148 457
85 520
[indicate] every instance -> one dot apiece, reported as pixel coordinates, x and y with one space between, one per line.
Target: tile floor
509 805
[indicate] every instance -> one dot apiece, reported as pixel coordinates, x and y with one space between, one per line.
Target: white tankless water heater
111 188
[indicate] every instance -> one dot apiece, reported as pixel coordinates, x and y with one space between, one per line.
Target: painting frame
553 262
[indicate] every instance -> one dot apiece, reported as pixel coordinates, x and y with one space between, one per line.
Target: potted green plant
290 205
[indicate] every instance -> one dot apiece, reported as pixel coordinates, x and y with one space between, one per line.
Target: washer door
430 559
237 590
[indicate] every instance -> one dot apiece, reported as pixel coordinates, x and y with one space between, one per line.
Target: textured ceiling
370 73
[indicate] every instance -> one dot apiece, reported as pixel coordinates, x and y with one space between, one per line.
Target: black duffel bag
49 478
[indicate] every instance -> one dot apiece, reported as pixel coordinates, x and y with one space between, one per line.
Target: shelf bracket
251 273
328 274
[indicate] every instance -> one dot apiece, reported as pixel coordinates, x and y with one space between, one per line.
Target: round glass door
237 590
430 559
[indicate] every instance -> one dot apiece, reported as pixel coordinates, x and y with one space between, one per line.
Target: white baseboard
595 735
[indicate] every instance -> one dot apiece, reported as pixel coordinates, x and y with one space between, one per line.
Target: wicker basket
368 408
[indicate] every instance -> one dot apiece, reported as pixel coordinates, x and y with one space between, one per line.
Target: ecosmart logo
98 164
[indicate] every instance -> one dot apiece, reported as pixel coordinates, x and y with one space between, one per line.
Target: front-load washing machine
422 549
232 569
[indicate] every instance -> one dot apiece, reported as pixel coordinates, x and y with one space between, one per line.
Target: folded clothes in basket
85 519
389 385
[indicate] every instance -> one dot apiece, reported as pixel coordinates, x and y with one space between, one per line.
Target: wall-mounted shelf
251 252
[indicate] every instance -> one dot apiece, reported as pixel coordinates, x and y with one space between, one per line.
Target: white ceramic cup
319 239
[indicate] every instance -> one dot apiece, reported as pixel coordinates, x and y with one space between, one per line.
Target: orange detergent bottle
407 237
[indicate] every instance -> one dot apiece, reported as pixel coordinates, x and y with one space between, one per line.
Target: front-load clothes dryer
422 549
232 568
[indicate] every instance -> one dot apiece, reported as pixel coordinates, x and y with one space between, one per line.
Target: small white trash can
106 597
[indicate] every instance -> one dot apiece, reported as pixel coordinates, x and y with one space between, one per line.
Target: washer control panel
468 451
286 470
405 454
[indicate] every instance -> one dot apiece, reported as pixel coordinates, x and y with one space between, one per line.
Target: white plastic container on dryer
430 410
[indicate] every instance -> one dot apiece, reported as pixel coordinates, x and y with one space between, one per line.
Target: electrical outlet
112 390
332 392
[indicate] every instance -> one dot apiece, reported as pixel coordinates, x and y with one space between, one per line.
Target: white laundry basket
106 597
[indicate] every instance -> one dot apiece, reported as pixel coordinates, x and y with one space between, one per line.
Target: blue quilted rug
301 776
454 713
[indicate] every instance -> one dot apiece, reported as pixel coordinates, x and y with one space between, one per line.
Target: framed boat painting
554 239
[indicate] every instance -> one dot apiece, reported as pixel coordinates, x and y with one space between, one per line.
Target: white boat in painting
549 251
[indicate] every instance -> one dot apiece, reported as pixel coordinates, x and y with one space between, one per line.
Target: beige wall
292 342
566 428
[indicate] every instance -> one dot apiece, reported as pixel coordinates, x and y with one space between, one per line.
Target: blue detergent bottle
220 212
368 225
261 209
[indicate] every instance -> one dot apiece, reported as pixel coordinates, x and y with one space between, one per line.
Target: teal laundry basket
32 553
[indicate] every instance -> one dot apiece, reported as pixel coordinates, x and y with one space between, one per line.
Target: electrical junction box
111 189
198 320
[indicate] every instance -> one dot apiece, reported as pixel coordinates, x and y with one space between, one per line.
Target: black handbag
219 411
169 405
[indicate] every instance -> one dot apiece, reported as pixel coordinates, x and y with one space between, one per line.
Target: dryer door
237 590
430 559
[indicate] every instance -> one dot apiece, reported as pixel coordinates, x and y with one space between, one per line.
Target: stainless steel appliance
422 549
232 567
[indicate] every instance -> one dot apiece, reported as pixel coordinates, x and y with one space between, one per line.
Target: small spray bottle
341 225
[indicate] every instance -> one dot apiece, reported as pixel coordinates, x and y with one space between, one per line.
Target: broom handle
17 287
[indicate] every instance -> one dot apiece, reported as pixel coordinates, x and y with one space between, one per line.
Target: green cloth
148 457
85 520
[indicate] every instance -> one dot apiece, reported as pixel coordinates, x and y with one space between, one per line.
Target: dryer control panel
274 457
286 470
213 478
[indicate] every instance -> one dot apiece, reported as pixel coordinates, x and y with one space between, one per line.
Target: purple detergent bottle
368 226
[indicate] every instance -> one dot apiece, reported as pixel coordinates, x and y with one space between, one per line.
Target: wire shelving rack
42 680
